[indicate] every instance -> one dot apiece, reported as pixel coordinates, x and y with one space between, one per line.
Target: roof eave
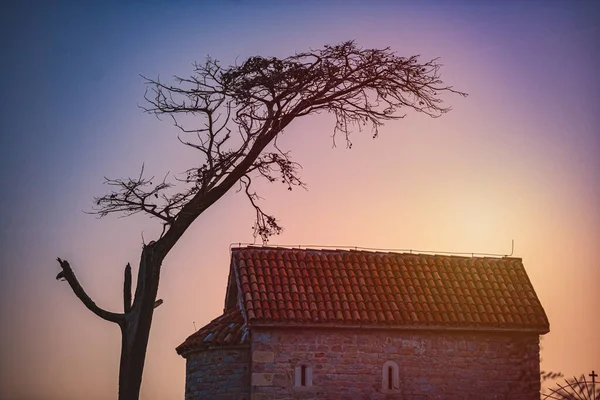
185 353
539 331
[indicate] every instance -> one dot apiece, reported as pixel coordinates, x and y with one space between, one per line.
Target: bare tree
238 112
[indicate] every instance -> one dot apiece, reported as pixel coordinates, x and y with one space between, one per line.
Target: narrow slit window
390 376
302 376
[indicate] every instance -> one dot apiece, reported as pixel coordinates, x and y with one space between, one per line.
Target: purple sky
518 159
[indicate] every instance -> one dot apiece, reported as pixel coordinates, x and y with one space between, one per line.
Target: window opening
303 375
390 376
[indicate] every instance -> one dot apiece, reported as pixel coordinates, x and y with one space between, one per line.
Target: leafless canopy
239 111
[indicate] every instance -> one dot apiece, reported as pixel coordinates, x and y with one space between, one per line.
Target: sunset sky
517 159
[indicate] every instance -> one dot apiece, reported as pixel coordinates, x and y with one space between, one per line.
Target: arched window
303 376
390 376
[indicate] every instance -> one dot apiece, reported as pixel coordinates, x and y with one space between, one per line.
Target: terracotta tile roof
226 330
348 287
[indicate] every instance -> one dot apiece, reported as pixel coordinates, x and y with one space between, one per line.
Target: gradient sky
518 159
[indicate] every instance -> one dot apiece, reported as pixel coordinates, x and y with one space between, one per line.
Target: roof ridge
368 250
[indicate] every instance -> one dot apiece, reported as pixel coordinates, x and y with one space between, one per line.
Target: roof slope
379 289
227 330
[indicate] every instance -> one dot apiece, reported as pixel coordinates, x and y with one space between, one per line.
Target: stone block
262 379
260 356
261 396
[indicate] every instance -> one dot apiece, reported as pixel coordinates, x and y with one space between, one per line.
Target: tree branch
261 97
127 289
265 225
69 276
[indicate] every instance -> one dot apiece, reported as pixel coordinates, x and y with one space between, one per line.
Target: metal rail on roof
357 248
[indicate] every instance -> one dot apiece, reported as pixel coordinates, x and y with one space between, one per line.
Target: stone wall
219 374
430 365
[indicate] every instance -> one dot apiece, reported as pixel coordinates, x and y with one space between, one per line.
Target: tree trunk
135 330
134 343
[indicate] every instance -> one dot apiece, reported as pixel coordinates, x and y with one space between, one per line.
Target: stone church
350 324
